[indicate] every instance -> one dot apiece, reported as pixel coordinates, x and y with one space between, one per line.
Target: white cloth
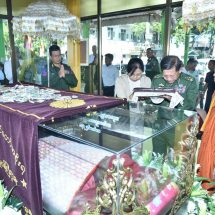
8 71
175 100
109 75
133 84
64 167
122 89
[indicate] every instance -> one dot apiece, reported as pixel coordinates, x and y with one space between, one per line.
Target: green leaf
14 203
1 189
5 199
201 179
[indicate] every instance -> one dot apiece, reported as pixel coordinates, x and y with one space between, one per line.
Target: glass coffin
131 159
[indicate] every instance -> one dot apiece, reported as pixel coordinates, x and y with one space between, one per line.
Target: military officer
172 78
152 66
186 86
61 75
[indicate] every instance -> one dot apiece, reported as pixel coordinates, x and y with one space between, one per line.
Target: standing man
152 66
92 71
209 84
93 56
190 69
109 75
61 75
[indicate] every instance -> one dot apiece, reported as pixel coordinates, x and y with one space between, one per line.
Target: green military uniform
62 83
185 85
152 67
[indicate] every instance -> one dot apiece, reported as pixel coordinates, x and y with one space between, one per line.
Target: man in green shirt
186 86
172 78
61 76
152 66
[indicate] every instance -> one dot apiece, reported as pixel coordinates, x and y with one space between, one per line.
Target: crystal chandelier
49 18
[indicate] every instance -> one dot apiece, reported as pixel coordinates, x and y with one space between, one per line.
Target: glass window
123 34
5 50
134 34
89 56
4 41
197 43
110 33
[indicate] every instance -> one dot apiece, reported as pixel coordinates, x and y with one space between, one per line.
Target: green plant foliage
156 27
139 28
6 198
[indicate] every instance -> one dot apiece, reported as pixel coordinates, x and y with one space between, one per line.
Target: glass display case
130 159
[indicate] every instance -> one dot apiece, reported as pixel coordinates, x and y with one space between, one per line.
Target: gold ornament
68 103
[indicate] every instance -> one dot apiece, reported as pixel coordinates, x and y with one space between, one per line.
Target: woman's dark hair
53 48
133 64
170 61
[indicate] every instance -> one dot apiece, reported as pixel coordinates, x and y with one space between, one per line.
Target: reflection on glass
130 124
5 50
130 35
89 52
124 36
197 43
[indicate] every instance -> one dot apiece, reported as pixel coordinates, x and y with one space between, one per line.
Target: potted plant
9 204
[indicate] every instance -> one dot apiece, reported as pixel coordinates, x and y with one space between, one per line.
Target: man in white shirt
109 75
93 56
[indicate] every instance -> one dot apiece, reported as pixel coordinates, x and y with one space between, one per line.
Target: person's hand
61 72
131 96
167 97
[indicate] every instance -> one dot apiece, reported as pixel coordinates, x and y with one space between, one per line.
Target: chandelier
196 12
49 18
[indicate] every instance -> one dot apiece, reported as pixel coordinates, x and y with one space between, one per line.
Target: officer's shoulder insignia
158 76
161 85
189 78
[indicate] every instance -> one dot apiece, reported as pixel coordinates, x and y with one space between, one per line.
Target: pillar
73 46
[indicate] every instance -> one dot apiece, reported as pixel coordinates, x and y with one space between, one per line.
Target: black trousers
108 91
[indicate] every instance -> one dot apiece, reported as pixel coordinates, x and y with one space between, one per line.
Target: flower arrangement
9 204
199 202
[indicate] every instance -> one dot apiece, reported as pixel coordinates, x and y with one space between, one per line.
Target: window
134 37
110 33
123 35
